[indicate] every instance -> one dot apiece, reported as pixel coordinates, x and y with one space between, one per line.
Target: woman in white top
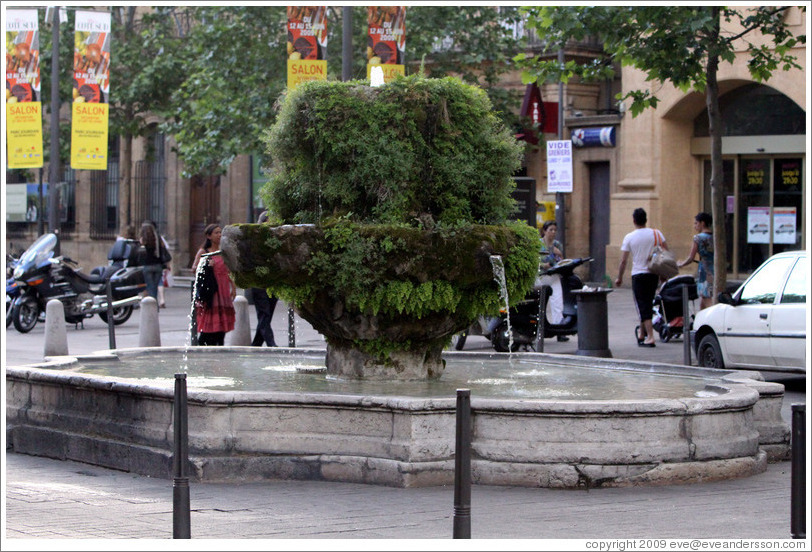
639 244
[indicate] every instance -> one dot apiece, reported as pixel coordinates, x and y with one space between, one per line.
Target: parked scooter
524 316
42 277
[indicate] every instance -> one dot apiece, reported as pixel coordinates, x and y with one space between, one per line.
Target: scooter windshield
38 253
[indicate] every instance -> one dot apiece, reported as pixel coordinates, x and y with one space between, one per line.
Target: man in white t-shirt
639 244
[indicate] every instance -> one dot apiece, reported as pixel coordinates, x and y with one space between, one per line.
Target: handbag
205 285
661 261
165 256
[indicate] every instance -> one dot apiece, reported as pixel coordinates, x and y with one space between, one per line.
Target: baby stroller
667 317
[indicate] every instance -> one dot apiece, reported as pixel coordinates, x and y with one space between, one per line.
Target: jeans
152 277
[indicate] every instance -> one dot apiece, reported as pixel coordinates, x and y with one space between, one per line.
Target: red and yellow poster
386 40
307 44
91 91
23 102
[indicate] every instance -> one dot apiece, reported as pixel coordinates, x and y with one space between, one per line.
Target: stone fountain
388 204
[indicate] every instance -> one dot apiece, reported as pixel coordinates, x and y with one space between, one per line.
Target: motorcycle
12 289
41 277
524 316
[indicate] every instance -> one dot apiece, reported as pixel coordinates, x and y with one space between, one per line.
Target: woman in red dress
215 320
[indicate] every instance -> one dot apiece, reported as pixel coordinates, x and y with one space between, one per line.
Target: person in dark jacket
264 306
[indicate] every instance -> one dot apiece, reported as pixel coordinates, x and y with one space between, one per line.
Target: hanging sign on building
307 44
386 40
91 91
559 166
594 137
23 102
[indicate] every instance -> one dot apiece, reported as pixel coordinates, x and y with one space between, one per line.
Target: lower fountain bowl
539 420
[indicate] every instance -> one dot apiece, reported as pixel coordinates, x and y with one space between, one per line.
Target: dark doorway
205 209
598 219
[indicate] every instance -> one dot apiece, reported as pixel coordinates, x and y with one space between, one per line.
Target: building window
150 183
104 196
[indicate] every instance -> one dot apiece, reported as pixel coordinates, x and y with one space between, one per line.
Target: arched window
755 110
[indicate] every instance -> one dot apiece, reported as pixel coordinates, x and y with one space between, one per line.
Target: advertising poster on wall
758 225
91 90
386 40
23 102
559 166
784 220
307 44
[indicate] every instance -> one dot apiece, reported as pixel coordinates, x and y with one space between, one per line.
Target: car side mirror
725 298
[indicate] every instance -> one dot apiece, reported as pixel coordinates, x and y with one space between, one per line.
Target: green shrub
414 151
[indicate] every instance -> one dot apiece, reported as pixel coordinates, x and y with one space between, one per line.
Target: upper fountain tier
407 187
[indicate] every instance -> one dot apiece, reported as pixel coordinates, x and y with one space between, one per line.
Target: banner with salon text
386 40
23 101
307 44
91 91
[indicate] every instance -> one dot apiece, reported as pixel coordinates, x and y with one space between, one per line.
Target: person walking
264 306
551 252
639 244
216 319
152 265
702 245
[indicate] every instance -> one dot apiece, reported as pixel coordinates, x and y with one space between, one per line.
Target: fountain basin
720 425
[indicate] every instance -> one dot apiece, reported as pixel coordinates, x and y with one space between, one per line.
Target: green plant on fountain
387 204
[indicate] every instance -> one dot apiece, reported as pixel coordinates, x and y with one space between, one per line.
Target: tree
682 45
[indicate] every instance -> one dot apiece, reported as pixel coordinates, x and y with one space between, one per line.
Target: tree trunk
717 180
125 183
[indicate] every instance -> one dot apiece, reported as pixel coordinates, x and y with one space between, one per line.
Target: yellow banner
389 71
88 146
301 70
91 90
23 103
24 135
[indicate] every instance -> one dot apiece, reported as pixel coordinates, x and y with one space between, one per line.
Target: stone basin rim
735 389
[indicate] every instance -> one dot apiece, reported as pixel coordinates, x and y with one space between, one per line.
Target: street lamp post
53 166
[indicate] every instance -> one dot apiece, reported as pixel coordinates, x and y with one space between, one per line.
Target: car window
795 290
764 284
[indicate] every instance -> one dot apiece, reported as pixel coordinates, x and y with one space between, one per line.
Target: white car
763 324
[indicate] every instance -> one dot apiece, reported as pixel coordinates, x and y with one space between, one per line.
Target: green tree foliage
235 70
680 45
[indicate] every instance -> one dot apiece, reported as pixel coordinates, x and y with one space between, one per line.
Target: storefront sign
91 91
23 102
594 137
559 166
386 40
758 225
307 44
784 221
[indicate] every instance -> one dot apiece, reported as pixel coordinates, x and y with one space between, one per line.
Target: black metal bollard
111 331
593 323
291 328
798 478
462 467
181 514
686 333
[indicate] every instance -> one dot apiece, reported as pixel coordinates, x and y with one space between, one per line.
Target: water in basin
514 378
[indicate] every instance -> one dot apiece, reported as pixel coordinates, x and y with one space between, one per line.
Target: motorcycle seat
91 278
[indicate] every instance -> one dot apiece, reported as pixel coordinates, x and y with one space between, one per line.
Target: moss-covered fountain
389 203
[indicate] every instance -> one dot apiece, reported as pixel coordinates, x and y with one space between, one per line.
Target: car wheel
709 353
25 315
